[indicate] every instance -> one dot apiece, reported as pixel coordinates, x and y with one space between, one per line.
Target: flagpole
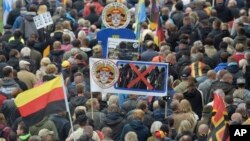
67 107
92 104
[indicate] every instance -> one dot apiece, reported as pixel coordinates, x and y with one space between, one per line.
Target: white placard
128 77
43 20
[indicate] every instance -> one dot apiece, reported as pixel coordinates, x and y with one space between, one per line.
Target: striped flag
154 14
219 130
41 101
141 17
160 36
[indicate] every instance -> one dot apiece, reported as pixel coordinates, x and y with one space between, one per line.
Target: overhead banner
123 49
128 77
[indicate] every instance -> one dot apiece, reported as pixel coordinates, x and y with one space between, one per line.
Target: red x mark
141 76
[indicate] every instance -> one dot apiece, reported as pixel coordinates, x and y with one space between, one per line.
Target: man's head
24 65
8 71
228 78
203 130
211 74
46 134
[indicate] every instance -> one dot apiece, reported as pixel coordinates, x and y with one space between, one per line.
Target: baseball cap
241 81
185 73
45 132
65 64
23 63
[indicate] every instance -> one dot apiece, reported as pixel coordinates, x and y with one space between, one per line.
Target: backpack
29 28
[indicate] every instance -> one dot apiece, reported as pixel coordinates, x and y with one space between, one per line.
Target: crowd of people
206 46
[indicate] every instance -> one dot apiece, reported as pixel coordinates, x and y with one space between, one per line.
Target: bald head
203 129
236 117
211 74
186 138
228 77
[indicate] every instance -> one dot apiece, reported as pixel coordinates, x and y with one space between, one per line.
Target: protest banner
128 77
123 49
43 20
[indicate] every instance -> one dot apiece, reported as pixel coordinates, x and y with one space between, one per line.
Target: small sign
116 15
43 20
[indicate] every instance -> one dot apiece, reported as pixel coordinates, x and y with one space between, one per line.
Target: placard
123 49
43 20
128 77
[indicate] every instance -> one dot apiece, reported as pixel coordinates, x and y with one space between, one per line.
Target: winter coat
14 62
62 126
8 86
45 124
234 69
27 77
194 96
2 65
220 66
241 95
224 13
226 87
205 87
9 110
148 55
116 122
97 118
138 127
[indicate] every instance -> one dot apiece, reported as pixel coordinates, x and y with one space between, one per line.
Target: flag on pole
219 130
141 17
154 14
38 102
160 36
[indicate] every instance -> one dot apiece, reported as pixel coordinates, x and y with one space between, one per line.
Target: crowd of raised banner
205 43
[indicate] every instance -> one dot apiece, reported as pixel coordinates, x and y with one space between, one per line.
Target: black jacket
195 99
116 122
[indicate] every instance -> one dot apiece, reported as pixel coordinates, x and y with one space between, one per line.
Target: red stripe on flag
41 102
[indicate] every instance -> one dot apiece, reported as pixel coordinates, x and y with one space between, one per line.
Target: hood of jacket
78 100
57 52
113 119
137 124
192 93
29 16
232 67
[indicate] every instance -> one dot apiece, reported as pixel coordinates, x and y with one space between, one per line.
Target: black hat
7 26
185 73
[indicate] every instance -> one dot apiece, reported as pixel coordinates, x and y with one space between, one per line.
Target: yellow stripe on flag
34 93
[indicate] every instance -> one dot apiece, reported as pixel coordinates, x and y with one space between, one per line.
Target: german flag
40 101
219 128
160 36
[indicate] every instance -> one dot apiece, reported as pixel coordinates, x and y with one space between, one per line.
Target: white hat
45 132
23 64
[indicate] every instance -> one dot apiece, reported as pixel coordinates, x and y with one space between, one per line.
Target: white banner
43 20
128 77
